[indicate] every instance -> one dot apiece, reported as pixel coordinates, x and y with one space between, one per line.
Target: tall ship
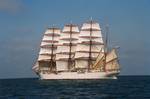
74 53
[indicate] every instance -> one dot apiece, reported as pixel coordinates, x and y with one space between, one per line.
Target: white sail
74 28
44 57
50 39
50 31
63 56
112 66
86 34
85 48
65 36
111 56
86 55
47 51
81 63
66 42
47 44
87 26
100 62
112 61
62 65
89 44
66 47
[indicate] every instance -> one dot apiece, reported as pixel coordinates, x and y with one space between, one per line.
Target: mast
52 61
109 60
106 47
70 46
46 59
90 61
89 45
111 57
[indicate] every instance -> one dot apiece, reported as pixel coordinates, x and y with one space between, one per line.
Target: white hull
75 75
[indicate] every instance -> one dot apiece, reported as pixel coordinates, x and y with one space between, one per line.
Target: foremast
46 60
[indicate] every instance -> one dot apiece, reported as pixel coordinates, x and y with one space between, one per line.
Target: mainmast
66 49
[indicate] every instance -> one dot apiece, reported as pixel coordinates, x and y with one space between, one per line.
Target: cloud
10 6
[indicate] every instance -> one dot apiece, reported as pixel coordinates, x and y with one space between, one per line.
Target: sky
22 23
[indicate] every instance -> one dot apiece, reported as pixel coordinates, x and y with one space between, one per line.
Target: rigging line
99 53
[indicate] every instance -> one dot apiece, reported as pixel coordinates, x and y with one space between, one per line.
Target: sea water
125 87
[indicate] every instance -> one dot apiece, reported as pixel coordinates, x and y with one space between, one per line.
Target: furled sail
67 46
112 61
89 45
47 54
